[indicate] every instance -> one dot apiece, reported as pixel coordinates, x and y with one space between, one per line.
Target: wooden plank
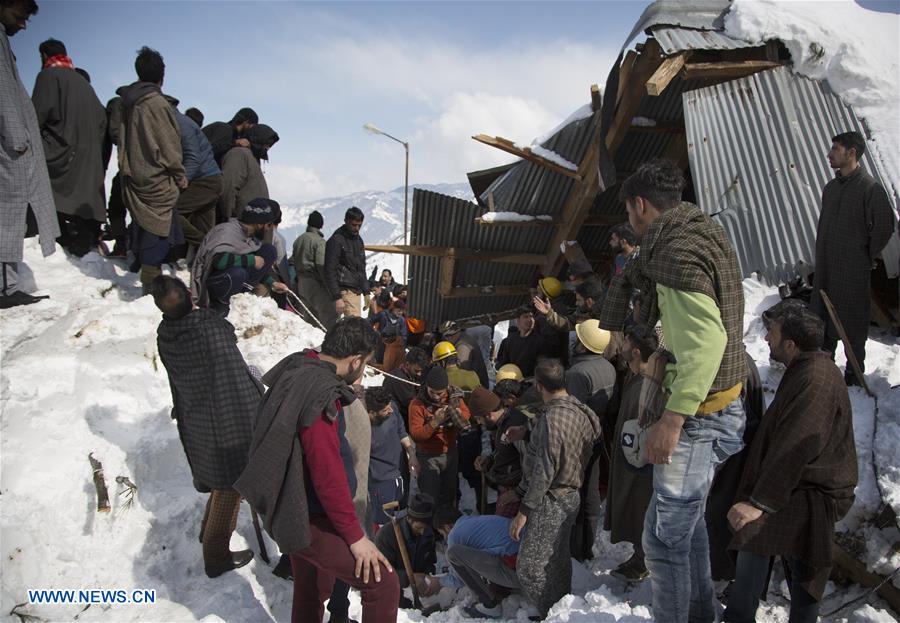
857 572
727 69
448 267
526 154
624 72
635 90
531 259
596 98
477 291
664 74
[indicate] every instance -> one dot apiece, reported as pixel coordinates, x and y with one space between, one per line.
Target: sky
430 73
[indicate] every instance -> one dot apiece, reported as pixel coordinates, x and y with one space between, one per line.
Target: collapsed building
750 134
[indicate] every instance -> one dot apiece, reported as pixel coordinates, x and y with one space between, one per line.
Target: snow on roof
851 48
513 217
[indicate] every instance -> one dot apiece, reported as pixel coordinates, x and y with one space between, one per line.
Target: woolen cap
421 506
437 378
258 211
315 220
483 402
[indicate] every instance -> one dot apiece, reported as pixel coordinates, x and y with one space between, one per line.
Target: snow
553 157
643 122
513 217
80 373
852 48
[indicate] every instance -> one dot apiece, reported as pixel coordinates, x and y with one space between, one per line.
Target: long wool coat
855 224
802 468
214 395
73 127
23 170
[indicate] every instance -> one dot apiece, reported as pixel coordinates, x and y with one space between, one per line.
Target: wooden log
624 72
848 351
664 74
596 98
509 147
99 484
726 70
448 266
857 572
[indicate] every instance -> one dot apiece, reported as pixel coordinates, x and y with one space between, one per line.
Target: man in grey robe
73 126
23 171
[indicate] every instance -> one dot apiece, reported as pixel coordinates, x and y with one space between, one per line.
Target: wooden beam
624 72
532 223
644 66
448 266
509 147
664 74
857 572
727 70
596 98
477 291
531 259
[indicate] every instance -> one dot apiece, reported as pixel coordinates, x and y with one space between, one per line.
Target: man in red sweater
436 417
308 508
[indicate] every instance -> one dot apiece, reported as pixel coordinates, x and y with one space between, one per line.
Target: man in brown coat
855 224
150 164
800 473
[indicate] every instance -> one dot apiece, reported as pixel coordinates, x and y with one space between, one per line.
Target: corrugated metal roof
757 149
686 14
673 40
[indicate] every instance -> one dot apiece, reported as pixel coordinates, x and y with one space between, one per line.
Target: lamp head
369 127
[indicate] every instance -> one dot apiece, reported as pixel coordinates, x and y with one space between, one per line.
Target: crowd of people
621 400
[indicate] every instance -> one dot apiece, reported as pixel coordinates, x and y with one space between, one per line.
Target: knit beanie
315 220
482 402
421 506
258 211
437 378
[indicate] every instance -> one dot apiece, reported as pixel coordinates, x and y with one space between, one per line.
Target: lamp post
376 130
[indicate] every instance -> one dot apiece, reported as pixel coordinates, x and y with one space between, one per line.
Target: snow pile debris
80 373
854 49
513 217
643 122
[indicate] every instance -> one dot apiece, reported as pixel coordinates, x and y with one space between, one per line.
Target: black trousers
751 573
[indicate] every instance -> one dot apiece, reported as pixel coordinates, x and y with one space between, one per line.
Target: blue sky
433 73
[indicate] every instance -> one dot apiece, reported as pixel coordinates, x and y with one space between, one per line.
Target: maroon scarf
60 60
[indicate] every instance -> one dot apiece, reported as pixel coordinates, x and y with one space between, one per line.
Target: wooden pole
99 484
851 356
404 553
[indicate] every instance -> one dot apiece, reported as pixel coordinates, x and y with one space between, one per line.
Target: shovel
407 563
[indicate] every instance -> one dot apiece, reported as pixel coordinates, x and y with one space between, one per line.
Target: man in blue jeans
236 256
694 277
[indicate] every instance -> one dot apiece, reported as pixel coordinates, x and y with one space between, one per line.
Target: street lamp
373 129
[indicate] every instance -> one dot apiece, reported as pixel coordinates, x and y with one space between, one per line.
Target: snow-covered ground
80 374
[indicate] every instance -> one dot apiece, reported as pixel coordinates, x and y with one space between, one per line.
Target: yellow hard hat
592 336
442 350
509 371
550 286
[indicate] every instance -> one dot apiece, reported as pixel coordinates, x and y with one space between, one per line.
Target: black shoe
235 560
283 569
18 298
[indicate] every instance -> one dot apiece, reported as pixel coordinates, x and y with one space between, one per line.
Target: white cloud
291 183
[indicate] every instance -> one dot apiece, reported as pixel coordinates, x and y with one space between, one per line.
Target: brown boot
217 555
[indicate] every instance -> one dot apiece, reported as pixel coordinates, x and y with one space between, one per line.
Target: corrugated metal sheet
440 220
757 149
673 40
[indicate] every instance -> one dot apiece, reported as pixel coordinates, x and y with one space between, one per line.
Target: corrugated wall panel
673 40
757 149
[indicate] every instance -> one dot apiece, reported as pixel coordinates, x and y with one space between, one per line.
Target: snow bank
80 373
854 49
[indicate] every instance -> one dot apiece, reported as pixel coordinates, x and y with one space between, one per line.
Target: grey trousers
439 478
544 566
476 568
9 280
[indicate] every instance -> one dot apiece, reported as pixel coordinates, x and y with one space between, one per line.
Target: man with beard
214 400
403 382
523 346
233 258
242 176
623 242
73 126
855 224
23 175
389 442
224 136
300 476
800 474
436 417
152 174
345 265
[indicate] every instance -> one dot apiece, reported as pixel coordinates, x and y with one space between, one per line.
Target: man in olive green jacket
309 261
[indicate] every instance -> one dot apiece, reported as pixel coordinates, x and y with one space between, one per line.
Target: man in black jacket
223 136
415 526
345 265
214 400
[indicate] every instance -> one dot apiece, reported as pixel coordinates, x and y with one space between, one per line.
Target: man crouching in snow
214 400
300 475
552 472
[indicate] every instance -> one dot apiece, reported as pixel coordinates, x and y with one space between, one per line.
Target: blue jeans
675 541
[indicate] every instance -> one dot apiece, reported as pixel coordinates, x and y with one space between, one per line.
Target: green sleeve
227 260
692 325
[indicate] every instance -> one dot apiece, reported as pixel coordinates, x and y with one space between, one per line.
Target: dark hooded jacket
214 396
345 263
301 389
